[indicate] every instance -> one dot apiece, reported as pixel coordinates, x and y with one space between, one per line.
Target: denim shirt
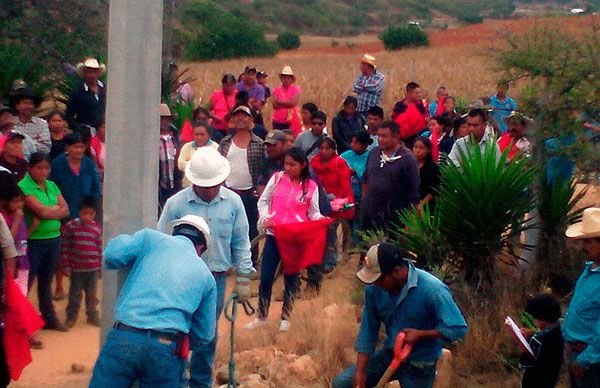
582 321
424 303
168 287
226 218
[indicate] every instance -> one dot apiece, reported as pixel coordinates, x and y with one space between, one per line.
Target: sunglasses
318 123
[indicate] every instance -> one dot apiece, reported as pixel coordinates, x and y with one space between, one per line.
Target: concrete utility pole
132 122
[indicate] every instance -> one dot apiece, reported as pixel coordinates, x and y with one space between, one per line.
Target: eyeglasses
318 123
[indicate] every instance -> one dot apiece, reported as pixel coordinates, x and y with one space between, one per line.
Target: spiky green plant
481 206
16 63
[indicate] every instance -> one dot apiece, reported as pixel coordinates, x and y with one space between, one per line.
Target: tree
395 38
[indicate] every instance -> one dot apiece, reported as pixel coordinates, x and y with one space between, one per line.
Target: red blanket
21 322
301 244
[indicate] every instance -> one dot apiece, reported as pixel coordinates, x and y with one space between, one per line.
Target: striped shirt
82 246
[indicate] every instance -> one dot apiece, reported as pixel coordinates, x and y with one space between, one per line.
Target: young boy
82 255
547 344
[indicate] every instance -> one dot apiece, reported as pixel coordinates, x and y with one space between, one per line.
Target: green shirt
47 228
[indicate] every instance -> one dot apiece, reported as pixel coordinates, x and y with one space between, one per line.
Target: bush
223 35
288 40
395 38
469 16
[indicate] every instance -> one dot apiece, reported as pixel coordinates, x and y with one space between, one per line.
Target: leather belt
151 332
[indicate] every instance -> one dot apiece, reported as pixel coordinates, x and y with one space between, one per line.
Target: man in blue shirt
404 299
223 211
581 327
169 294
502 106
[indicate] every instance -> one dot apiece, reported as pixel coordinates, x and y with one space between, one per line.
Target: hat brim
214 181
576 232
368 63
271 141
367 277
80 66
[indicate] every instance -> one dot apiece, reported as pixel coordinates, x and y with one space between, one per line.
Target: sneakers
94 321
70 322
284 325
255 324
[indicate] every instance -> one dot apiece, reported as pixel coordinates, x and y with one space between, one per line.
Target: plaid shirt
37 130
256 154
369 90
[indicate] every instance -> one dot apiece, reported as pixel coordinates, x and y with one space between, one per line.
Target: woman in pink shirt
222 102
285 103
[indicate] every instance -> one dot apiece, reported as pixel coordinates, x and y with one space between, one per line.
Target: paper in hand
510 323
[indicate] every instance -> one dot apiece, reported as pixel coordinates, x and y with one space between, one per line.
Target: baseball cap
244 109
249 69
261 74
381 259
14 135
274 136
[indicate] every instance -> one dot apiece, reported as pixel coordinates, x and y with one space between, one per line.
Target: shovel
401 352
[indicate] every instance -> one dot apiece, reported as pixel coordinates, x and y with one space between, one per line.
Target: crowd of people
234 180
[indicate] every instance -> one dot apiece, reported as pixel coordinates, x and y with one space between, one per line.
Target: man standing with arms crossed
224 213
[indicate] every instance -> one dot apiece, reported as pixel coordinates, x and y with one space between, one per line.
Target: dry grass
327 79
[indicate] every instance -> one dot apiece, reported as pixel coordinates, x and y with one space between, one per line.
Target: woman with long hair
428 170
291 196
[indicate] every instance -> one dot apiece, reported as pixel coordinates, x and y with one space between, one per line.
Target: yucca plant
16 63
557 204
419 232
481 206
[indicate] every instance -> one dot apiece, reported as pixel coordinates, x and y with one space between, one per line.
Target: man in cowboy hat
581 327
369 84
405 299
224 213
25 103
169 294
87 102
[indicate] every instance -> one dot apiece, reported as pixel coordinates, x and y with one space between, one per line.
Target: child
356 157
547 344
290 196
82 255
201 139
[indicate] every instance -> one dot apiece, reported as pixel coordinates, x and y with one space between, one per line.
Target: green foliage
288 40
467 15
419 232
481 205
16 63
395 38
182 111
222 35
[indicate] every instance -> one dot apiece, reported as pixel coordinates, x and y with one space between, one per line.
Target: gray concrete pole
132 135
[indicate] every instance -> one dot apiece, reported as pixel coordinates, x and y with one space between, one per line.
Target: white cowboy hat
207 168
195 221
287 70
92 63
589 227
369 60
165 111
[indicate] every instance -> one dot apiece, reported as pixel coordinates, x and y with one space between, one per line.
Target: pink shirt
282 115
290 204
221 107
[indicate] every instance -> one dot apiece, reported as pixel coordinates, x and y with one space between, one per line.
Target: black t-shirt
430 179
543 371
58 147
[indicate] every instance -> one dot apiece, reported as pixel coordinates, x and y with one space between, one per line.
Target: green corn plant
481 206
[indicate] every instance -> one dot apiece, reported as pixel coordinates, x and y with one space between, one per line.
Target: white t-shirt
239 178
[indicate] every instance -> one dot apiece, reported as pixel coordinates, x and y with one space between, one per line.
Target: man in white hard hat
581 327
224 213
369 84
169 296
87 102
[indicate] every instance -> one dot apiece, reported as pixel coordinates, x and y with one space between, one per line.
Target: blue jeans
203 357
43 258
127 357
410 375
270 260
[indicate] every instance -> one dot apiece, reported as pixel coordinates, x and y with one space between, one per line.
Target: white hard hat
207 168
195 221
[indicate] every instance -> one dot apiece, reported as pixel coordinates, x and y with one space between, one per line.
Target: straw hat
207 168
589 227
369 60
287 70
92 63
165 111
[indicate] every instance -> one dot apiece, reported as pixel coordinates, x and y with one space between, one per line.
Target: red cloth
296 123
440 106
335 176
187 131
435 145
301 244
411 120
507 141
21 322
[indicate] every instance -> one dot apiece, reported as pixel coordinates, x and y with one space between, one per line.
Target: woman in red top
222 102
334 174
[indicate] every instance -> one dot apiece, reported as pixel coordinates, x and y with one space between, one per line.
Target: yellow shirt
185 155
